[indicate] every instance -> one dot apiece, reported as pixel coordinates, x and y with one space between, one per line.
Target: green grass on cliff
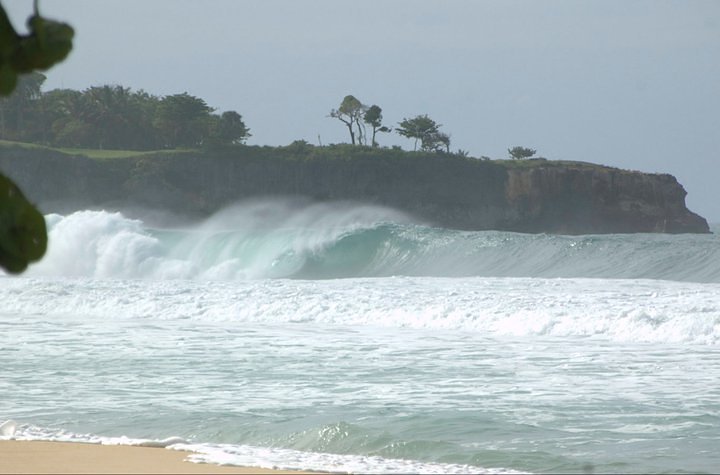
541 162
104 154
299 150
97 154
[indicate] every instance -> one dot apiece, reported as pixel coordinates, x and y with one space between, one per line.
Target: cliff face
581 199
552 197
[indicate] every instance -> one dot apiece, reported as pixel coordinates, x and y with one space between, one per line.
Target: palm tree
109 113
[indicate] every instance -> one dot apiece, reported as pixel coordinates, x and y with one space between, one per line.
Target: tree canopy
229 128
520 153
113 117
425 130
373 117
350 112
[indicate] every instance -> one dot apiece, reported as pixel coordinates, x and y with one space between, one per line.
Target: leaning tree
350 113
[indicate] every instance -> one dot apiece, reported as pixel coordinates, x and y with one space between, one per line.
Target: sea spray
278 239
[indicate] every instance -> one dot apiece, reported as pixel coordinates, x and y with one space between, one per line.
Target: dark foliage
113 117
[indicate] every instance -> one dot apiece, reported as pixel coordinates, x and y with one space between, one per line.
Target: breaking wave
322 241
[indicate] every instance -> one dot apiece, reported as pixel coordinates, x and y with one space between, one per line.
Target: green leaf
11 263
49 43
23 235
8 35
8 79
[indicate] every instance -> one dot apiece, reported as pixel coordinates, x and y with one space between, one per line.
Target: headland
445 190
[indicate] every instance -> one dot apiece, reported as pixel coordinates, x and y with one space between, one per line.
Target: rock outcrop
578 198
461 193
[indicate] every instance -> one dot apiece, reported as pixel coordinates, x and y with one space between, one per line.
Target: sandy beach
60 457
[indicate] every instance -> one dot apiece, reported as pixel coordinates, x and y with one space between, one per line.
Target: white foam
284 459
278 238
97 244
7 428
620 310
252 240
18 431
250 456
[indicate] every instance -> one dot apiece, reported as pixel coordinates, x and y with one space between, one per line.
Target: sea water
351 338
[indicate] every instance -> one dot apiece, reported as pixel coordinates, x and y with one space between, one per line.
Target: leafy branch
23 235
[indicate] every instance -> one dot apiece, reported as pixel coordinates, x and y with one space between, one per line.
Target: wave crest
281 239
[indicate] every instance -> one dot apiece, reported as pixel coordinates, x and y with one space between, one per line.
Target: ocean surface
351 338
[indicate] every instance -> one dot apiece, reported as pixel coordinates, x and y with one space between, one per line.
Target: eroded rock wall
580 198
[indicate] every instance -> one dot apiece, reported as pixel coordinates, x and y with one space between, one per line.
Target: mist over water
284 239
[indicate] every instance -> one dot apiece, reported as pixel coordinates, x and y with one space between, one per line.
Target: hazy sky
632 84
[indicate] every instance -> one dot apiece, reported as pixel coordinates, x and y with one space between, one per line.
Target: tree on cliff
228 128
15 108
520 153
422 128
66 115
23 235
115 117
350 112
183 120
437 142
373 117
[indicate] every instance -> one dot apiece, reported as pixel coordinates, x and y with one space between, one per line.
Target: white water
277 240
414 373
617 310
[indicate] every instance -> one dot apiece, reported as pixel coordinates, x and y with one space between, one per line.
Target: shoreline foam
70 457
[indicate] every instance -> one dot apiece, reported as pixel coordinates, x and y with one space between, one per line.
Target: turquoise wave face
272 240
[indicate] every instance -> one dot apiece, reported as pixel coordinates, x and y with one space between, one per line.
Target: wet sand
62 457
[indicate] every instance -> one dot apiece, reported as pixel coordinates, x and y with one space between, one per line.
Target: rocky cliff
580 198
448 191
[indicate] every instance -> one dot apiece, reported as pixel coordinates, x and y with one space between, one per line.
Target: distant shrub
519 153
